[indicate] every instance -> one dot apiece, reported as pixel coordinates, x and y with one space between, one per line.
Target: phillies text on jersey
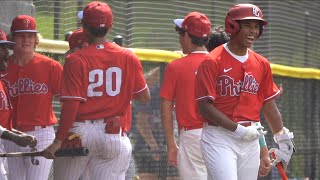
238 86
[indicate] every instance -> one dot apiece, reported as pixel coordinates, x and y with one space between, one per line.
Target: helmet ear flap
231 26
260 30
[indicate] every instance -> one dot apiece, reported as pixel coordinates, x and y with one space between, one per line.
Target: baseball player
6 131
99 82
218 37
178 89
78 40
232 85
32 81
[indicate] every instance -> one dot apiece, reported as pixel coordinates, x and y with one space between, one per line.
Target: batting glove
249 133
281 157
284 140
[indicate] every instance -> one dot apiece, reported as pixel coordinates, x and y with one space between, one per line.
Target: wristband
262 142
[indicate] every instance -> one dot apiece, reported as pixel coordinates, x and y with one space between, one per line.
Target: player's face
249 31
184 39
3 51
25 42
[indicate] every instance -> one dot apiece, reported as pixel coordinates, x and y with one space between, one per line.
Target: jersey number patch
111 79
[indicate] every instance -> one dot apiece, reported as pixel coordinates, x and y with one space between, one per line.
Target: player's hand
173 155
265 166
21 139
51 150
281 157
155 151
26 140
284 139
249 133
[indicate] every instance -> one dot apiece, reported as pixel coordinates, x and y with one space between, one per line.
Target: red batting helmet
243 12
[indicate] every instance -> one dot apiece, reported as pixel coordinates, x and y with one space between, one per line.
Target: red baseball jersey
5 108
178 86
104 78
31 89
238 89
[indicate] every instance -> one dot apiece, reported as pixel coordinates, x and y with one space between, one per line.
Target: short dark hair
98 32
217 37
199 41
195 40
180 30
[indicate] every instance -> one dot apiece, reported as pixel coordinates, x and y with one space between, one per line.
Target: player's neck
236 49
99 40
22 59
198 48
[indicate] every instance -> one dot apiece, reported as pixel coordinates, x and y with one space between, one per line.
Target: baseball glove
73 140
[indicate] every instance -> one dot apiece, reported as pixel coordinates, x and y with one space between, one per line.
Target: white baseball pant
109 154
190 162
227 156
21 168
3 164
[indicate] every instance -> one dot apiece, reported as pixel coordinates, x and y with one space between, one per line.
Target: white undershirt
200 52
242 59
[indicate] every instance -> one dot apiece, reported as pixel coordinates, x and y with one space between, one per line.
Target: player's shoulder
215 56
258 57
181 61
45 59
216 53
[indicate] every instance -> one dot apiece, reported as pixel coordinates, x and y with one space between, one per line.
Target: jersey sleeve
72 85
56 79
169 83
140 83
205 82
270 89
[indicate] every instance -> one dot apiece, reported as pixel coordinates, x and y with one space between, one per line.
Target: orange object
281 169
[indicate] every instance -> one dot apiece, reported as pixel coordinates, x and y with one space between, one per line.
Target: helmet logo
255 11
26 22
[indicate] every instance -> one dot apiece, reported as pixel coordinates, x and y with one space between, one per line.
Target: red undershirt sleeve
68 115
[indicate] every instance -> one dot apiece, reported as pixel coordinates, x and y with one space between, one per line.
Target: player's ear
37 40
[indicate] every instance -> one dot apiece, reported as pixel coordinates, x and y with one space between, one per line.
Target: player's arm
143 126
21 139
68 115
167 123
211 113
143 96
273 116
265 162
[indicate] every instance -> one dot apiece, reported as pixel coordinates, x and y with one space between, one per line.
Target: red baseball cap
196 24
97 15
23 23
77 39
3 38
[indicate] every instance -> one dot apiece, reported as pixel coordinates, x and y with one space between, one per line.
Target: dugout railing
299 105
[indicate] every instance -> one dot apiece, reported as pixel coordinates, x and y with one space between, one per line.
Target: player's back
109 78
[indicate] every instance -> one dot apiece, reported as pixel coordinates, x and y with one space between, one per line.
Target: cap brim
6 42
80 15
31 31
178 22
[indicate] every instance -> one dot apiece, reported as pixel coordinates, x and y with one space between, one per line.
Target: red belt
113 124
30 128
198 126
